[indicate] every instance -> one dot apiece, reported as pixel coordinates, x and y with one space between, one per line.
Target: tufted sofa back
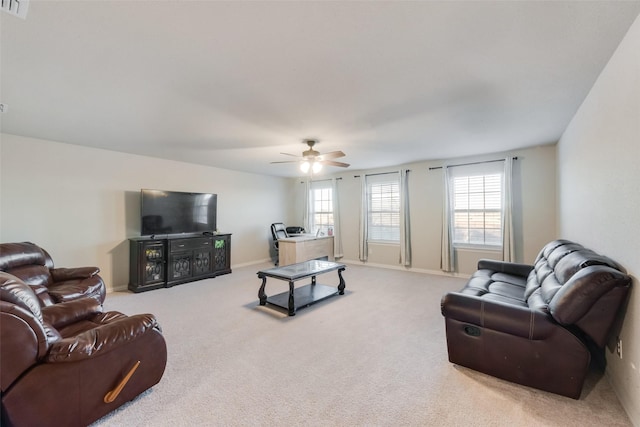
34 266
16 257
31 264
576 285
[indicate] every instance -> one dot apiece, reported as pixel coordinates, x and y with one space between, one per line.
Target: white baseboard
125 288
246 264
345 261
403 268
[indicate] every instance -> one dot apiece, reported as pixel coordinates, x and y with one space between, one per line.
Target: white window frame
383 208
321 207
477 199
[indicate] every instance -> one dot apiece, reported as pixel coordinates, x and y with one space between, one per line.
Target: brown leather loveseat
69 363
537 325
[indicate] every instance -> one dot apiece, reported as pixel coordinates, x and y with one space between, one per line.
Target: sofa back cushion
577 286
31 264
13 255
555 265
579 259
15 291
542 283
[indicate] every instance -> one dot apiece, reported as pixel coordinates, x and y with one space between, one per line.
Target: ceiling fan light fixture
312 161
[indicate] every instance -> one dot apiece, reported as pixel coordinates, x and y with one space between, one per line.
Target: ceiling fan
312 159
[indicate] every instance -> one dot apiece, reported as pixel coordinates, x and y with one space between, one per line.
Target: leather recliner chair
70 363
35 267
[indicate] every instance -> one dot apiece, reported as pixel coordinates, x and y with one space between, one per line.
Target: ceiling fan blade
292 155
332 163
286 161
331 155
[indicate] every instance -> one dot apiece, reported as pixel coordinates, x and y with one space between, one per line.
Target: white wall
599 200
82 204
534 211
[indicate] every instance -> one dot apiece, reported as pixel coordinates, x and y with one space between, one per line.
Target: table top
301 270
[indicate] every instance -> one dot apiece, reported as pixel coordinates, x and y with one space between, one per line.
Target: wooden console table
305 295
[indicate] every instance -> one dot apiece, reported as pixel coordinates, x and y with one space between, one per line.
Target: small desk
293 250
305 295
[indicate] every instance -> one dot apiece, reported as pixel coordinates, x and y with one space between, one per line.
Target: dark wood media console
162 263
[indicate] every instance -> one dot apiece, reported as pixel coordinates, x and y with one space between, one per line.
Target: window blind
384 207
477 204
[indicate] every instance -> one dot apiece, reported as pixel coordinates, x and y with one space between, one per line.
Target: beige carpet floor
375 356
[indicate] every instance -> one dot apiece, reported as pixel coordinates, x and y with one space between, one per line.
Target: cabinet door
147 264
153 257
180 265
202 262
221 253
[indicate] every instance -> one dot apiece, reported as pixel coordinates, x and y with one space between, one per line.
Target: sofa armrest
64 313
499 316
73 289
63 274
522 270
101 339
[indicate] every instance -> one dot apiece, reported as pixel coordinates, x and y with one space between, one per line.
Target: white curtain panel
446 252
305 214
337 230
508 247
405 222
364 247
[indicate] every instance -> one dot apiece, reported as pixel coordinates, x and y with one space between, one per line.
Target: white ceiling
233 84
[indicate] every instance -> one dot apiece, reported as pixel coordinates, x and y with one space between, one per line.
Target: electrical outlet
619 347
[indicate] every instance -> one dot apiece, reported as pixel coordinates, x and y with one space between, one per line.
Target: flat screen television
176 212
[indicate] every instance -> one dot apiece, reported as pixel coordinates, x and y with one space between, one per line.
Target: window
383 207
321 207
477 208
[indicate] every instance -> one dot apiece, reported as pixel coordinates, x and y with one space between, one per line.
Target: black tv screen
175 212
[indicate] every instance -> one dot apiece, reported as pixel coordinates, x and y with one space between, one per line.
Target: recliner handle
113 394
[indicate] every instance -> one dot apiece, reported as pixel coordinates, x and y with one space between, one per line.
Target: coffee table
306 295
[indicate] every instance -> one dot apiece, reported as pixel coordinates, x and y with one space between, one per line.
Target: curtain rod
320 180
381 173
469 164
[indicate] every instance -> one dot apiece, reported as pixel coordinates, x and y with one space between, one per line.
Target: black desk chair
278 231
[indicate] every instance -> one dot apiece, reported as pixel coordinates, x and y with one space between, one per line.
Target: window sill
383 242
483 248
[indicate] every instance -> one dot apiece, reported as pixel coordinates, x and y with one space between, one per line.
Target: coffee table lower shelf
304 296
